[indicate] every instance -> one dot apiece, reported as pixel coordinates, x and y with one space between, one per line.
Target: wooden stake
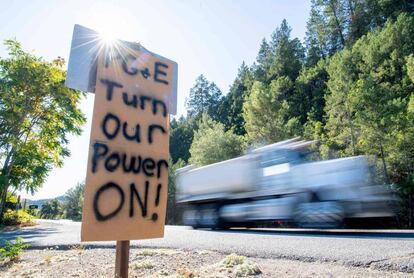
122 259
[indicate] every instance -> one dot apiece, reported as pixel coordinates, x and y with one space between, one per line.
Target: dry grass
186 273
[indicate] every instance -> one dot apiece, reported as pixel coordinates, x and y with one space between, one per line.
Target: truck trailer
278 183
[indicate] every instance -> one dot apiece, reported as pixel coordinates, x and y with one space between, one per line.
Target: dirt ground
79 261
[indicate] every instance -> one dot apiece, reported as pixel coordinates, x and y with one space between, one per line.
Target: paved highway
386 249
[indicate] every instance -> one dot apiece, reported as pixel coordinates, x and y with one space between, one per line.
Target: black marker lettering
148 165
154 107
157 197
142 204
159 71
135 137
110 58
154 217
110 85
112 162
133 166
151 129
104 126
98 215
142 100
145 73
99 150
133 102
132 70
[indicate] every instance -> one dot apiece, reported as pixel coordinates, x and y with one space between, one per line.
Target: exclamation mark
157 202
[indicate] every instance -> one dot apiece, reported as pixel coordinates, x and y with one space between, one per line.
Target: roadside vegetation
37 114
11 251
177 263
14 216
240 265
18 218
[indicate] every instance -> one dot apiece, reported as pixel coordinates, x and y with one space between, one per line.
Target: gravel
79 261
389 250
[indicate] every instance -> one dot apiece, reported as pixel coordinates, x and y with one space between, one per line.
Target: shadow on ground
26 233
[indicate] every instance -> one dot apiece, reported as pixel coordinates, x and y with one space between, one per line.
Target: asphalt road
384 249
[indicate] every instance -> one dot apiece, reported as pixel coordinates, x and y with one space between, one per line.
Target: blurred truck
277 183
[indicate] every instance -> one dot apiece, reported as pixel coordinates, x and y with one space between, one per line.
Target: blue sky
204 37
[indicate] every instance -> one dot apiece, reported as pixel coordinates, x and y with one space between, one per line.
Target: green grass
247 269
242 267
232 260
146 264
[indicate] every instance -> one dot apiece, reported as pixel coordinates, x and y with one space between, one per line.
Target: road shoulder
82 261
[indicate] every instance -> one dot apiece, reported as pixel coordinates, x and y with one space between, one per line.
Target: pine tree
288 54
204 97
266 112
231 107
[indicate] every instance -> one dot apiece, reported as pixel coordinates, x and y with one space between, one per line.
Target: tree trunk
384 164
410 210
351 127
8 163
350 23
3 202
338 24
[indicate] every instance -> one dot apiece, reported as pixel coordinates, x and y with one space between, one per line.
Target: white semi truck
277 183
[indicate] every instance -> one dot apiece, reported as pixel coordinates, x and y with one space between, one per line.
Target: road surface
386 249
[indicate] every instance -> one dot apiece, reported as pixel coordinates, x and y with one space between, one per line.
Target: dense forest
349 85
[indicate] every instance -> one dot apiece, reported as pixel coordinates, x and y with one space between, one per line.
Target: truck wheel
208 217
191 217
319 214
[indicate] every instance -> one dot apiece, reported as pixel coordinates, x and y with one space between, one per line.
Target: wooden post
122 259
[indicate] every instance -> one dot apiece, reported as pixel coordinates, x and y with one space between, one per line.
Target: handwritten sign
127 177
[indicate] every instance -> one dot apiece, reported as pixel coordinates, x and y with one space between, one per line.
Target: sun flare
107 37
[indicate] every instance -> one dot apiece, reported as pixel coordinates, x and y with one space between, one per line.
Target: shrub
51 209
33 212
146 264
13 250
232 260
20 217
247 269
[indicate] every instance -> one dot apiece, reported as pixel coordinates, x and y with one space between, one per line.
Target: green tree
213 144
204 98
368 106
310 87
315 40
181 136
288 54
334 24
326 28
51 209
37 113
263 62
73 202
266 112
231 106
340 113
173 211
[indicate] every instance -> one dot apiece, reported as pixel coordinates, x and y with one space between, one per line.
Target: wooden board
127 176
